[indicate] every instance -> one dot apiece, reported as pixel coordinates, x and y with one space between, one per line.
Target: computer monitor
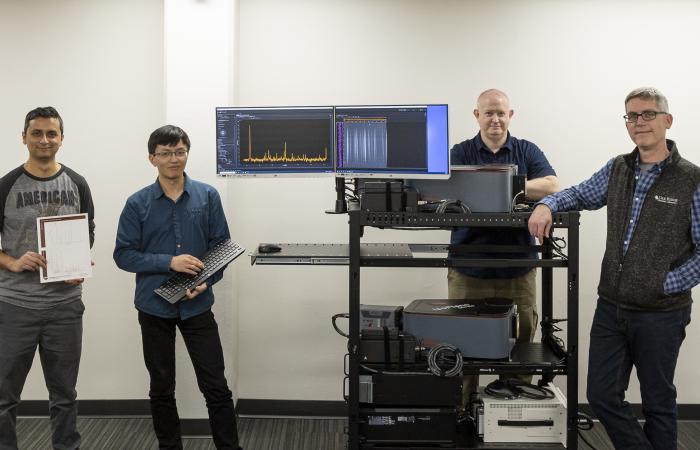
274 141
408 141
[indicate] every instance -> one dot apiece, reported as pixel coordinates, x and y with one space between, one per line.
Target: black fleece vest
661 239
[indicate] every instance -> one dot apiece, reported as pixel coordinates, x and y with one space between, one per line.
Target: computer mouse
269 248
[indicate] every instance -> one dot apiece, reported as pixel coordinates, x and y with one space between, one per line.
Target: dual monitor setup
407 141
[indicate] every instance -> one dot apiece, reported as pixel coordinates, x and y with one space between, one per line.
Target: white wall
100 64
567 67
118 70
199 75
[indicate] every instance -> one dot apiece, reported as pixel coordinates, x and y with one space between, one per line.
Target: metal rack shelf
531 358
535 358
400 219
526 358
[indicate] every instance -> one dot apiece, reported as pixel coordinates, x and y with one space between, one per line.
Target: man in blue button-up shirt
163 229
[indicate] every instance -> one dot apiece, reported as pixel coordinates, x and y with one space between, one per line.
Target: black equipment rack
532 358
526 358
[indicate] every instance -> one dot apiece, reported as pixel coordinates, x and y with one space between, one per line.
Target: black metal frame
545 363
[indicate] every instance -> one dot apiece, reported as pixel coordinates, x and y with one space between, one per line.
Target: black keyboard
175 288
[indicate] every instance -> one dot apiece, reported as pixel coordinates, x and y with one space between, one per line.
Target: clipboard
64 241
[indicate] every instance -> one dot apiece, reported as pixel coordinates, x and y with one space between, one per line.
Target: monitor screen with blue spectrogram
407 141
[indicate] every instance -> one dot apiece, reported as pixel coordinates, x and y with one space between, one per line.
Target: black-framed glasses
647 116
168 155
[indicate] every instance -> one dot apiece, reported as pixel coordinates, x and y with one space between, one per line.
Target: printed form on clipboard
65 243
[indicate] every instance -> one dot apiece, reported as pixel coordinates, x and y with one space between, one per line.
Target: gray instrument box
487 189
380 316
486 329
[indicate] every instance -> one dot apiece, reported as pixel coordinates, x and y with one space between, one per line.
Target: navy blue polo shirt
531 162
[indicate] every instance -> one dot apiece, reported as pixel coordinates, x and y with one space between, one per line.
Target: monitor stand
341 205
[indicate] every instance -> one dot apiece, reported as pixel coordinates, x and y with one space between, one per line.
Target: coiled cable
441 356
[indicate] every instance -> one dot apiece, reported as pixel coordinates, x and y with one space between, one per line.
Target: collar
632 159
480 145
157 190
61 169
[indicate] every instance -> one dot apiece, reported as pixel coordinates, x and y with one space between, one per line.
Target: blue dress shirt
153 229
533 164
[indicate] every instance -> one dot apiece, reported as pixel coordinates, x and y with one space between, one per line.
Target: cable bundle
511 389
441 356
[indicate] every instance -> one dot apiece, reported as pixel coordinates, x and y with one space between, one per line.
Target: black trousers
201 336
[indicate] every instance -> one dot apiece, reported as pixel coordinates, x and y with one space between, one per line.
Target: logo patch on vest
664 199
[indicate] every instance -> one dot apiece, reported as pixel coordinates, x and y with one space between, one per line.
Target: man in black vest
651 262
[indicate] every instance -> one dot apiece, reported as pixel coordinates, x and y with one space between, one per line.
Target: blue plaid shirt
593 194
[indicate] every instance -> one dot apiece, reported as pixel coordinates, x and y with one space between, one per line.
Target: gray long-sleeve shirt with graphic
23 198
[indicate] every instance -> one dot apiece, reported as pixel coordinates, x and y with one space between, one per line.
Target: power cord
338 330
530 391
520 207
555 342
499 389
510 389
447 203
443 206
558 246
584 422
441 356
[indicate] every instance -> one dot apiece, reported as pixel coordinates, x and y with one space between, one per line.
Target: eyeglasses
647 116
168 155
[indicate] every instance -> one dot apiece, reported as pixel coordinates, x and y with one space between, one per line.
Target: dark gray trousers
58 334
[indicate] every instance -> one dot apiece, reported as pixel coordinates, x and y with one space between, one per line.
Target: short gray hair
649 93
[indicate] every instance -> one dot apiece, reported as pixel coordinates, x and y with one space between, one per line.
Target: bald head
493 114
492 94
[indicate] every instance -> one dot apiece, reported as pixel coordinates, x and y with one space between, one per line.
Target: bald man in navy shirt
495 145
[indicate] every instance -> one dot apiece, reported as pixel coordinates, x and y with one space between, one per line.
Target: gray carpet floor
256 434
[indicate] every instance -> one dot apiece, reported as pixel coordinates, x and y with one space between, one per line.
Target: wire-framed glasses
647 116
168 155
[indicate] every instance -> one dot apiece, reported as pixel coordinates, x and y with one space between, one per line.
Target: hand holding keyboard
175 288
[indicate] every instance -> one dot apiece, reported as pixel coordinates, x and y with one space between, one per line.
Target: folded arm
538 188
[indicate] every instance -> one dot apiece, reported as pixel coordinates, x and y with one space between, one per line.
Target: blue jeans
649 341
58 334
201 336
